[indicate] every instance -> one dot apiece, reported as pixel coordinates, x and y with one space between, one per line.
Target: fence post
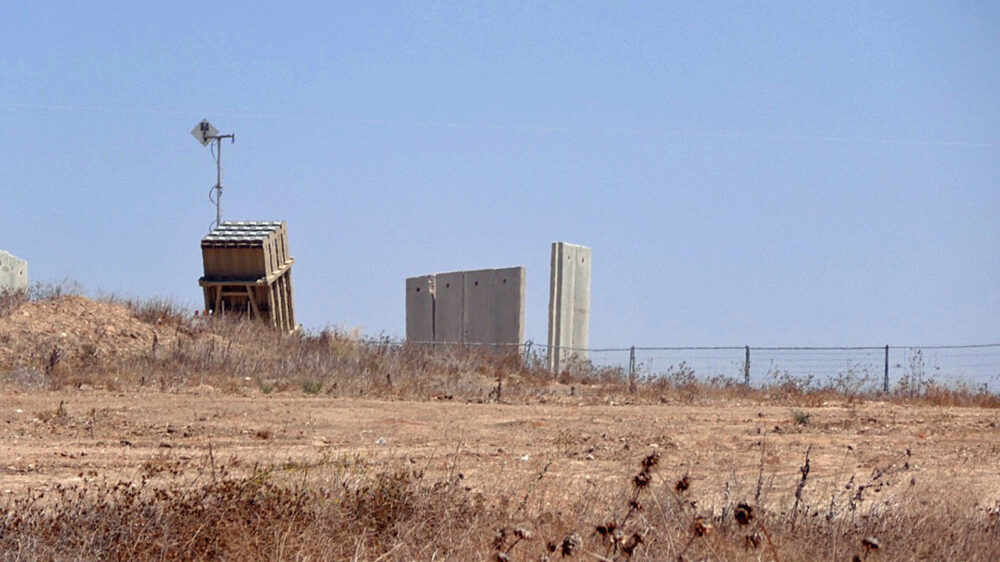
746 368
631 369
527 353
885 379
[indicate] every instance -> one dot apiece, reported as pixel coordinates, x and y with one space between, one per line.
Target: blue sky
746 173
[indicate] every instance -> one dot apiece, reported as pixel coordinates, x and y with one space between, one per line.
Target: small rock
590 457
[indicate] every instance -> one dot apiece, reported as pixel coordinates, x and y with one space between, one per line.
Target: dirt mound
72 329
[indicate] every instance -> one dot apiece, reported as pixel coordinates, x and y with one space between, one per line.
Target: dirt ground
51 438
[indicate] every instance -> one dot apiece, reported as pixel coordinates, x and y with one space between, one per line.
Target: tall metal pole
218 173
218 182
746 367
631 369
885 380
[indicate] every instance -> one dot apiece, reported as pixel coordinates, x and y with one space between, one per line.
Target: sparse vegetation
310 386
10 300
341 508
139 343
800 417
386 502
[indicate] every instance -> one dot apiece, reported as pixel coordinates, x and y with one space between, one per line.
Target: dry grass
11 300
166 348
343 509
339 506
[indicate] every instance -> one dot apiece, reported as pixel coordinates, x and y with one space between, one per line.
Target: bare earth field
129 431
53 437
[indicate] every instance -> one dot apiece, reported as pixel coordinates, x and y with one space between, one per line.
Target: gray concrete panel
555 293
507 288
13 273
484 306
581 300
420 309
449 309
567 282
569 304
478 309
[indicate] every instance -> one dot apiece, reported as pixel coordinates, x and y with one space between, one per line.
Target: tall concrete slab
13 273
569 304
420 309
581 299
449 307
507 291
478 310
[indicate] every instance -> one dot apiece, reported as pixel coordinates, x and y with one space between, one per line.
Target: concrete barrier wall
569 304
420 308
484 306
507 291
13 272
478 313
449 307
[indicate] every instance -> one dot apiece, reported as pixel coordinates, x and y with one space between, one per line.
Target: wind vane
205 133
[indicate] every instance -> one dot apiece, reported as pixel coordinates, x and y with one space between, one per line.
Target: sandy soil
120 435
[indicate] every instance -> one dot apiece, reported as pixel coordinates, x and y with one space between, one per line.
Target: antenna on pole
205 133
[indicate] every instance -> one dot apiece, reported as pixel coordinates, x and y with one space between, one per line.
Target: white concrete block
569 304
13 273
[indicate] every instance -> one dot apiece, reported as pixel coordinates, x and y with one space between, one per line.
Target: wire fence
855 369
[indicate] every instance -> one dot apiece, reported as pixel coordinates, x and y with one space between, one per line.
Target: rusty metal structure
248 271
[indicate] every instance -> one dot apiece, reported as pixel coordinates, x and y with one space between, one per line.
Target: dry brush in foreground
343 509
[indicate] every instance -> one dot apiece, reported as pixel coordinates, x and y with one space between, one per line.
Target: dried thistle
701 526
650 462
642 479
743 514
804 469
499 539
570 544
631 544
683 484
607 529
751 541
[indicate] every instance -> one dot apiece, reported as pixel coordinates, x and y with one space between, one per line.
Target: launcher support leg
253 302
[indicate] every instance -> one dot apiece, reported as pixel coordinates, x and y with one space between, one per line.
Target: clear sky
784 173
